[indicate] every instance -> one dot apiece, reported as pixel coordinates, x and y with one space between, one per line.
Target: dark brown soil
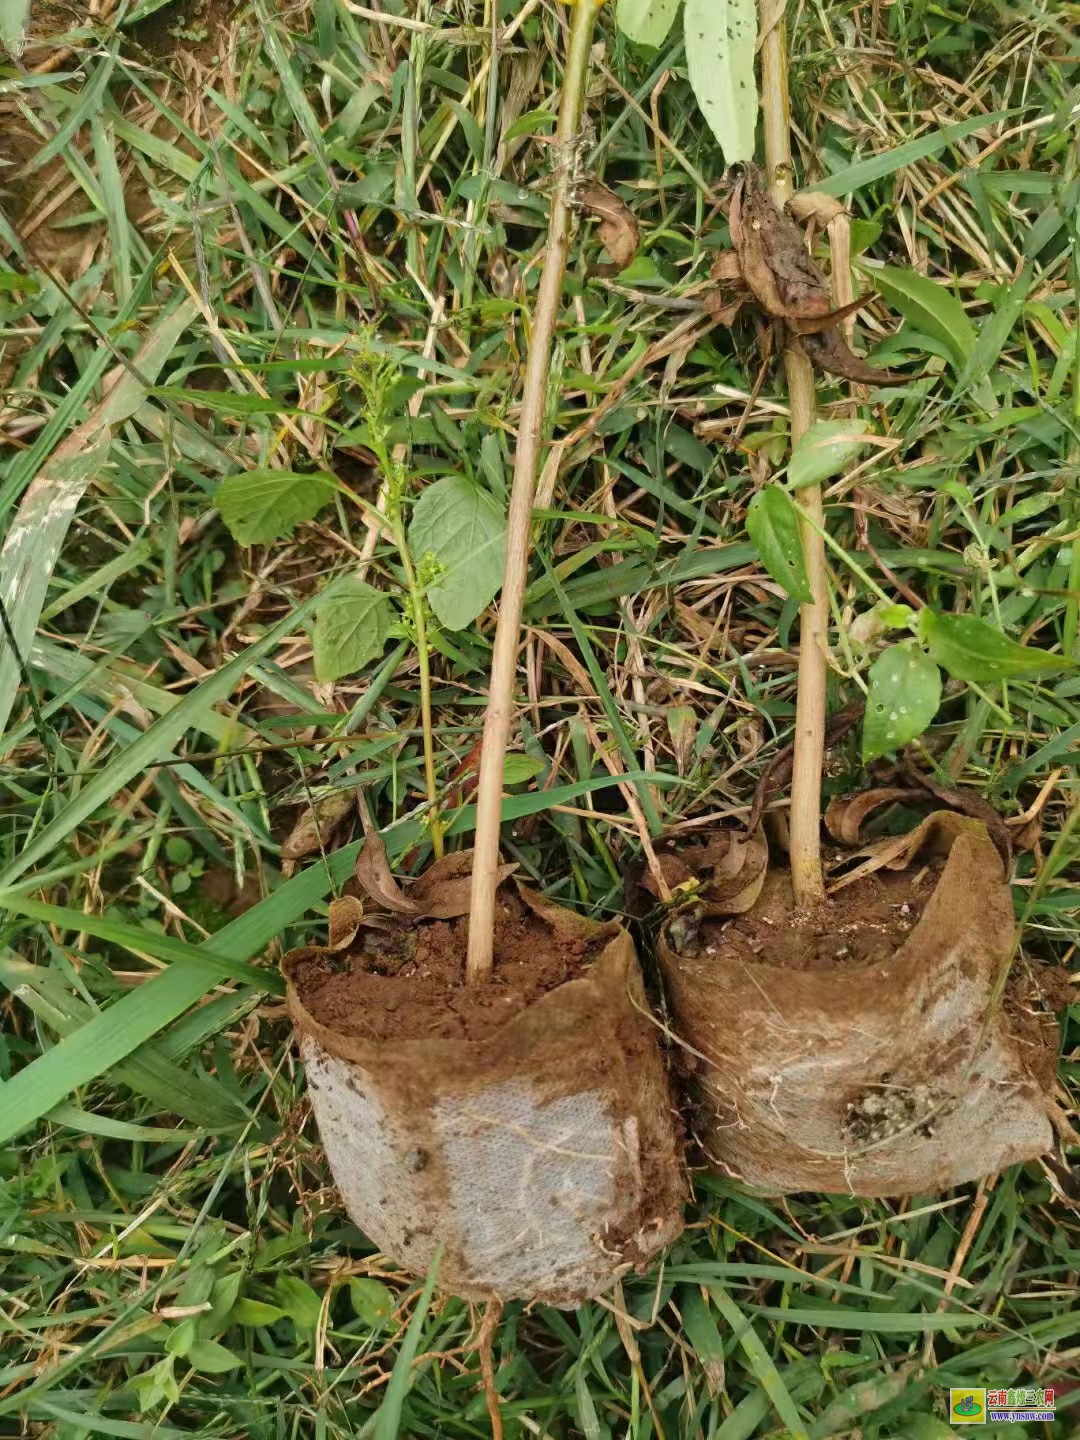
863 924
408 982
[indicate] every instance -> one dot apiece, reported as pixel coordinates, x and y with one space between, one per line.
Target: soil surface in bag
408 982
864 923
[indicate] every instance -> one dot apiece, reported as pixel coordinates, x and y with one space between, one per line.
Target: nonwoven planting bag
528 1131
871 1048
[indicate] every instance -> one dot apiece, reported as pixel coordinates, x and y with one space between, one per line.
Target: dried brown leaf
618 226
806 205
818 323
968 803
346 917
726 269
315 826
723 308
729 868
828 351
443 891
772 253
846 814
373 872
935 835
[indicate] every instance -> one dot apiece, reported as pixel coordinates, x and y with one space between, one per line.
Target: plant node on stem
809 751
500 705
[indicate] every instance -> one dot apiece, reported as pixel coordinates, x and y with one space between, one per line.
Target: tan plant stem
500 706
809 751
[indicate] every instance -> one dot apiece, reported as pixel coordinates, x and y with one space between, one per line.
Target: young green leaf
824 450
773 525
646 22
519 768
970 649
703 1333
301 1303
905 692
721 40
352 626
463 528
929 307
210 1358
261 505
251 1313
372 1301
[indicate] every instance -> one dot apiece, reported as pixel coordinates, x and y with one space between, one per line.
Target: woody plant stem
809 752
500 707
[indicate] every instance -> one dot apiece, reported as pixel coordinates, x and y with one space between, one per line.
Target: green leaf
898 157
254 1312
463 528
773 525
721 40
158 1384
905 692
703 1333
519 768
352 626
261 505
388 1416
929 307
824 450
301 1303
761 1363
210 1358
13 16
970 649
223 1296
646 22
372 1301
180 1340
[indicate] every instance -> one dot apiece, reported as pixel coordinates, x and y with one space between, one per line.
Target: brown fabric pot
905 1074
541 1157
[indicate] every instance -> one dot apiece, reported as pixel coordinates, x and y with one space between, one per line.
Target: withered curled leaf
829 352
315 825
772 252
618 227
441 893
377 880
728 866
788 285
346 917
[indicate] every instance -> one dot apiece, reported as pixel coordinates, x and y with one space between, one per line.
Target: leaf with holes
721 40
463 528
905 692
261 505
351 627
970 649
773 525
824 450
646 22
